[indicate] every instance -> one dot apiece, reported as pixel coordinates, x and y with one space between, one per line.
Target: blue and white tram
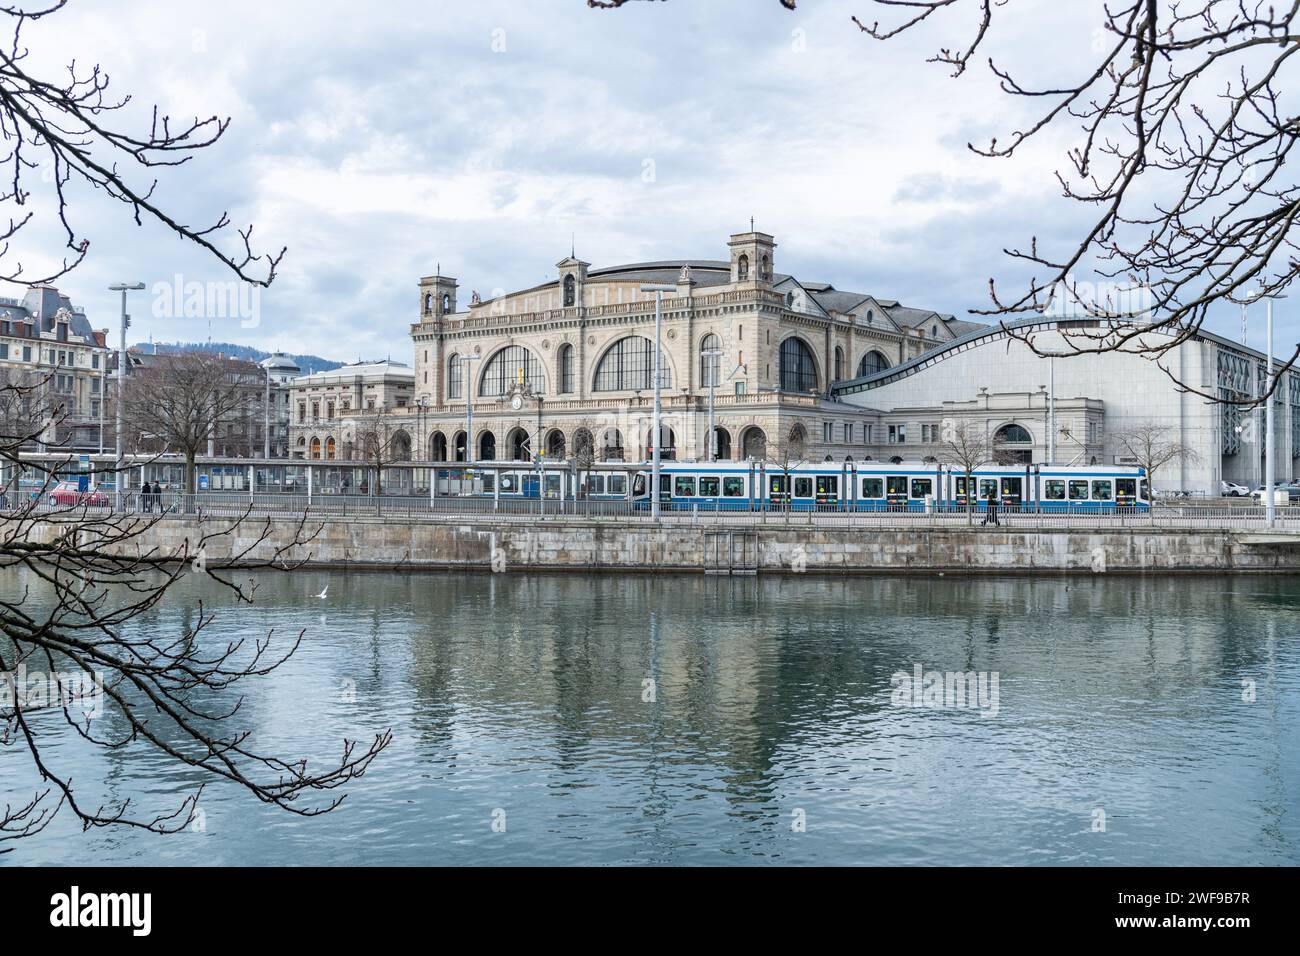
884 486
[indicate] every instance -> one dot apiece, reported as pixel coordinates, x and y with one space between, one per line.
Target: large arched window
1011 435
872 363
798 371
564 364
710 365
629 365
511 366
455 376
570 287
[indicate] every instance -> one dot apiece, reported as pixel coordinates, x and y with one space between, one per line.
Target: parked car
1292 491
67 493
1230 489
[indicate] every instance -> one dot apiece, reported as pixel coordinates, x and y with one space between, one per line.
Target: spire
751 223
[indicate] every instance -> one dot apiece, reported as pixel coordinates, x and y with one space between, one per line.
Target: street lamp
659 291
1268 419
468 384
124 288
715 370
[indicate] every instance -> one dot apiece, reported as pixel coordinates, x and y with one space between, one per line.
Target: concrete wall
588 545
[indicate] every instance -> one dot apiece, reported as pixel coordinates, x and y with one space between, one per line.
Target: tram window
617 485
922 487
988 486
1101 490
873 488
1078 491
509 484
684 487
828 484
960 487
595 484
552 486
489 480
776 485
1054 489
733 487
1146 491
638 485
803 487
1126 487
709 486
665 484
896 484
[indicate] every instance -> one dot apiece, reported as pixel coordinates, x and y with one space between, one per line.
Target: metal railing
1162 515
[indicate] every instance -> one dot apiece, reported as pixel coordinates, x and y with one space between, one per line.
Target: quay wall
590 545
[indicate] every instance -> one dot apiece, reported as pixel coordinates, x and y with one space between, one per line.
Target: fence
1163 514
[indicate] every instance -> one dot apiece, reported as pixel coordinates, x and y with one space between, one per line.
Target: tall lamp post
124 288
715 370
1268 419
468 383
656 430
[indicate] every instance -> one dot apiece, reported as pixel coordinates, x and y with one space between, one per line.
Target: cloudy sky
379 140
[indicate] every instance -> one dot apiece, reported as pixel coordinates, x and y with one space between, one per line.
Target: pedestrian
146 499
157 497
991 509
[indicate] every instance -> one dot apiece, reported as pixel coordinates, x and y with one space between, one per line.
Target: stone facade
568 364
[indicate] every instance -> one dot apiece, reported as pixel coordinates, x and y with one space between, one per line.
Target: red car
67 493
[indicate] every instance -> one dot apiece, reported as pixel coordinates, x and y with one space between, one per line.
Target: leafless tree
183 399
58 135
379 441
1152 447
1181 155
78 579
966 445
785 457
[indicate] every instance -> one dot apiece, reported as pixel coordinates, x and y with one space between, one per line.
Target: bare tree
966 445
82 577
183 399
1181 157
1152 447
57 135
379 441
786 456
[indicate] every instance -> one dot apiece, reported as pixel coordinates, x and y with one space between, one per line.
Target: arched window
797 443
872 363
329 448
438 447
667 443
798 371
428 303
1011 435
459 446
570 288
315 448
710 365
400 447
455 376
753 443
555 444
584 445
487 447
446 303
564 360
629 365
611 445
839 363
519 445
742 267
765 271
513 365
722 443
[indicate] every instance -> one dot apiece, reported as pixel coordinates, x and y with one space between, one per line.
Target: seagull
323 593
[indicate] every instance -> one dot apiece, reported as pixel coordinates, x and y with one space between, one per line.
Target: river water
580 719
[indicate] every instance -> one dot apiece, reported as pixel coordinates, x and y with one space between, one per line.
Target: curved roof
978 336
280 360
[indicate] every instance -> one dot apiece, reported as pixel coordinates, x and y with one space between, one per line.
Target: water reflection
692 719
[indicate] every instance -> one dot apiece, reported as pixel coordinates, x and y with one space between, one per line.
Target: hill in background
308 363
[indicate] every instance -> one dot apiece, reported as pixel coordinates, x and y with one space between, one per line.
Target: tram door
531 487
896 491
1013 492
828 489
1126 492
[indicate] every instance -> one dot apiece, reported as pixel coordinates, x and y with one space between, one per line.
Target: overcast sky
378 140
